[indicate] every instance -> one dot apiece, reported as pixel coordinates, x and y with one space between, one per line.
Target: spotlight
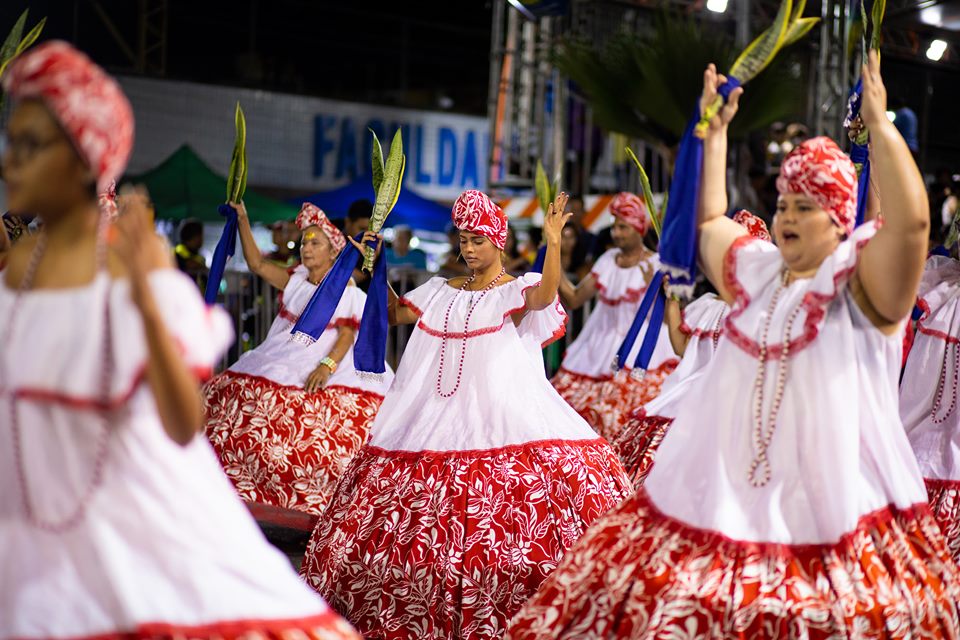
936 50
717 6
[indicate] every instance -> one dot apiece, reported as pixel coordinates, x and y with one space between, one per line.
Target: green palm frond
645 86
16 43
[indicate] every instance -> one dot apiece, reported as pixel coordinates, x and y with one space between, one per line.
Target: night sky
436 52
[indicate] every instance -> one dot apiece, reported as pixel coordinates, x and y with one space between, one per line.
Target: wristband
329 363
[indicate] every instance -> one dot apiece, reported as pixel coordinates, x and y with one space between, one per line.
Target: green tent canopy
183 186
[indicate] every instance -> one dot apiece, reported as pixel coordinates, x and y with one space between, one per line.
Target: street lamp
717 6
936 50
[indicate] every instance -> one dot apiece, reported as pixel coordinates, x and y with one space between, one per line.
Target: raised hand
555 218
873 110
240 208
711 88
132 237
368 236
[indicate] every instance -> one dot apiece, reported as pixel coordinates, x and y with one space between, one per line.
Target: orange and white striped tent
526 210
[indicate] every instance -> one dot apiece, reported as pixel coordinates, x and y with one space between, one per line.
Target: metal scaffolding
831 76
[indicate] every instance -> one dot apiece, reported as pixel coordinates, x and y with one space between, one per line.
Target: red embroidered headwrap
630 208
312 216
88 103
817 168
754 225
475 212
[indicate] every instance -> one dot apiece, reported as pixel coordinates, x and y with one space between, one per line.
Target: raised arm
891 264
174 387
576 296
543 296
717 232
276 275
673 316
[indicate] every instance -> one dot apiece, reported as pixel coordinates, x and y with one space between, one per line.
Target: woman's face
804 232
315 249
625 237
44 175
478 252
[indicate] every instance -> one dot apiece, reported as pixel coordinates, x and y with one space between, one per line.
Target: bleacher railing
253 305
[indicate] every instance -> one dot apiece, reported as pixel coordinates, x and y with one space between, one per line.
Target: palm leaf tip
376 161
237 176
388 191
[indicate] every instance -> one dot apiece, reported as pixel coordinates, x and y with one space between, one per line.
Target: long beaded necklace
466 331
717 328
941 386
103 439
763 432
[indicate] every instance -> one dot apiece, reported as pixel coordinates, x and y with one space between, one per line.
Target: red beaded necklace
763 432
466 330
941 386
718 328
96 479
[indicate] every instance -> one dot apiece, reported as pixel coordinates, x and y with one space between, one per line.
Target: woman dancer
116 520
478 476
928 393
785 501
618 280
286 417
695 332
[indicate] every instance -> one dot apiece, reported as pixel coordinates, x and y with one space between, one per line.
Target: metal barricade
253 305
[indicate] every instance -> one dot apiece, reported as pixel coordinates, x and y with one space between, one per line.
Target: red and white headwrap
631 209
754 225
475 212
312 216
87 102
817 168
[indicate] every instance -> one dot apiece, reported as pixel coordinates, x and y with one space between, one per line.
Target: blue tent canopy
411 209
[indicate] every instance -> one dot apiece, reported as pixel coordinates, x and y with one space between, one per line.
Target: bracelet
329 363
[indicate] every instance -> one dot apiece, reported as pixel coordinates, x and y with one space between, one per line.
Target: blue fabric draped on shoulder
678 241
369 352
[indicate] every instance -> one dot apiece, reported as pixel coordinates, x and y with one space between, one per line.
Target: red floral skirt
283 446
641 574
606 403
450 544
637 445
944 499
326 626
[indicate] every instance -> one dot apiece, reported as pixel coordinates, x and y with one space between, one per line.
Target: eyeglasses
24 148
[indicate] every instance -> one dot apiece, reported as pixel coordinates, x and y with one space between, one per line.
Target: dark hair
578 257
189 229
360 209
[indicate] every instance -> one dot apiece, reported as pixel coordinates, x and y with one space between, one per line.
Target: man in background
187 252
400 255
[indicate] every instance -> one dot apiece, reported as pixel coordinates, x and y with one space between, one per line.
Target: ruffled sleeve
749 267
703 316
544 326
202 333
618 285
938 299
419 299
